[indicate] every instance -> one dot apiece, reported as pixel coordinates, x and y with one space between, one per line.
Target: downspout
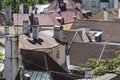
68 47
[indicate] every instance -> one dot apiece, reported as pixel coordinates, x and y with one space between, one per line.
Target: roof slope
45 19
81 52
70 4
112 14
44 42
111 30
41 61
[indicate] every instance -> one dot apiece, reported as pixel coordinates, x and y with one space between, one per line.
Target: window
57 54
93 3
95 35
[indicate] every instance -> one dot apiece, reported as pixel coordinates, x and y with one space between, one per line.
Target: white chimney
35 29
116 4
25 27
11 57
58 33
84 34
8 14
21 9
119 13
30 10
105 15
6 31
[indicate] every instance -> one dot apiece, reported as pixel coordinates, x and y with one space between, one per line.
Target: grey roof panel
39 75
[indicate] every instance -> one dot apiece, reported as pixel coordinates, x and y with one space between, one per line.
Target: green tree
15 4
1 4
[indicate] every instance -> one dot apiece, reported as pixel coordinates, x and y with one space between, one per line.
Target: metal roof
39 75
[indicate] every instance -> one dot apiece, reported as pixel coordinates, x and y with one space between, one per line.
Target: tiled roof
44 20
38 61
112 14
81 52
111 30
70 34
45 42
70 4
53 18
68 16
19 18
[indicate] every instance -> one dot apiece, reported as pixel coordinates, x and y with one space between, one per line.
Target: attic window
95 35
93 3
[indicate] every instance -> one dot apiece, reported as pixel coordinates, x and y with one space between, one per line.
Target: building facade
96 5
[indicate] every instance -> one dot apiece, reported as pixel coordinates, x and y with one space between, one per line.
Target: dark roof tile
81 52
111 30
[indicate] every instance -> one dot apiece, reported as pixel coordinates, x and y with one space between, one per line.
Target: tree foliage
15 4
104 65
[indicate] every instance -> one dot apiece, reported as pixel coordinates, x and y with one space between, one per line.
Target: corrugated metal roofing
39 75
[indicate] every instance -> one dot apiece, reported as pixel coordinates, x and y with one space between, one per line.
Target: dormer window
95 35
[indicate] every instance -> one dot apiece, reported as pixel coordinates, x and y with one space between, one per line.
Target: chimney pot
105 14
58 33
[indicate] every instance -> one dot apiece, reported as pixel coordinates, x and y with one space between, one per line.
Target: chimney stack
6 31
30 10
11 57
21 9
58 33
116 4
35 29
84 34
25 27
105 14
8 15
119 13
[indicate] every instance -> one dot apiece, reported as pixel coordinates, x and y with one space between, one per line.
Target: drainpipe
68 47
11 57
